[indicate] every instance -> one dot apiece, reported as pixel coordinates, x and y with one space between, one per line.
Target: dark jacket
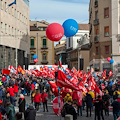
5 100
11 112
1 92
69 109
30 113
21 103
88 100
115 105
98 105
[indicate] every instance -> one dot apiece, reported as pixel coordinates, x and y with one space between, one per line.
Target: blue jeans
116 115
16 94
79 108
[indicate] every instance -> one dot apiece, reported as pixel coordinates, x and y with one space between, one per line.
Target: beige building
14 33
40 44
104 20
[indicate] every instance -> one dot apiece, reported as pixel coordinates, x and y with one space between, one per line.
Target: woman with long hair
37 99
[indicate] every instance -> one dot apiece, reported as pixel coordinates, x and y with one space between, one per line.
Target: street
51 116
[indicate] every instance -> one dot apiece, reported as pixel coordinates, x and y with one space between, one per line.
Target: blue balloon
111 61
34 56
70 27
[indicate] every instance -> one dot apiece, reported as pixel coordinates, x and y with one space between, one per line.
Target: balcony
44 62
96 39
32 47
31 61
96 21
96 3
44 47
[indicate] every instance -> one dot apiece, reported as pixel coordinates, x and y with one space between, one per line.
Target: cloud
59 10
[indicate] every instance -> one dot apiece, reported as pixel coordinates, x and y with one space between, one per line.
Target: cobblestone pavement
51 116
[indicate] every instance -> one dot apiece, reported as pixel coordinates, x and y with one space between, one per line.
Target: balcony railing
44 47
44 62
96 21
96 39
96 3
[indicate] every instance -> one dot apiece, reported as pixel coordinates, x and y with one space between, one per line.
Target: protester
98 103
21 103
37 99
44 97
10 111
16 89
88 100
30 113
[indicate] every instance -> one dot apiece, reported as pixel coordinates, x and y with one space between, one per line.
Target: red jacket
15 88
43 96
37 98
32 86
11 91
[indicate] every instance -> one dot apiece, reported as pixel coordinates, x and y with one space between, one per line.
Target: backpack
63 112
46 98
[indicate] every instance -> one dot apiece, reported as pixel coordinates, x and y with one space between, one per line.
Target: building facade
60 50
40 44
77 48
104 23
14 33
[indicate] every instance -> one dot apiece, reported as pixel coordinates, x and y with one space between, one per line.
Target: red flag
98 91
82 87
104 74
6 71
91 84
12 69
53 87
110 73
74 80
21 70
62 81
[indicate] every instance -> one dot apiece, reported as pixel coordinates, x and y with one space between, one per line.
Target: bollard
68 117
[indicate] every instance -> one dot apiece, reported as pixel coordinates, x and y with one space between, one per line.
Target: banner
6 71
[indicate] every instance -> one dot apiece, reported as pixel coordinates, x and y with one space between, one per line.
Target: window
32 43
97 31
44 43
96 15
69 42
5 6
107 49
12 30
1 4
9 29
5 28
97 51
32 57
15 13
44 56
1 26
106 31
106 12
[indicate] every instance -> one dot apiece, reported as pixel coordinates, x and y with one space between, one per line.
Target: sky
59 10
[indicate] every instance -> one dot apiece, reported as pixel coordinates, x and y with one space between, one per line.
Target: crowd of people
14 88
101 103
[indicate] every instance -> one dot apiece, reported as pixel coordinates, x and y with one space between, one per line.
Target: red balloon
35 60
108 59
56 105
55 32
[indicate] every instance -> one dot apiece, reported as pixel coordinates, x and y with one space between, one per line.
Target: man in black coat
98 108
115 105
88 100
30 113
